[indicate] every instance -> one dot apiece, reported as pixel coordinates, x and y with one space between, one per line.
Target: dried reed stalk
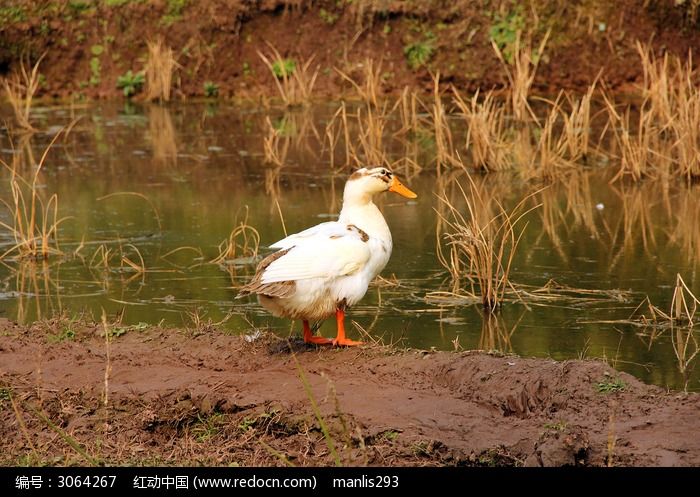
20 89
521 74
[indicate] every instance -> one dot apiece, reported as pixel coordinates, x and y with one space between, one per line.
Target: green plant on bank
207 427
419 53
120 3
66 333
5 394
131 83
80 6
96 65
390 435
504 32
10 15
328 17
117 331
173 11
211 89
95 71
248 423
610 385
284 68
556 426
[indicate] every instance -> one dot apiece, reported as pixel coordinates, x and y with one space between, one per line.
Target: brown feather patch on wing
363 236
276 289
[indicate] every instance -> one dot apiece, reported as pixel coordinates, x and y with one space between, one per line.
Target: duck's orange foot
318 340
309 336
346 342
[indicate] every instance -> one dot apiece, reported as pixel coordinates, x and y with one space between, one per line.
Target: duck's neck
365 215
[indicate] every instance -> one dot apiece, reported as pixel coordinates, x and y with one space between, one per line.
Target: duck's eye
385 172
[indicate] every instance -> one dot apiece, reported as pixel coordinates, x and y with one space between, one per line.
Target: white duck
327 268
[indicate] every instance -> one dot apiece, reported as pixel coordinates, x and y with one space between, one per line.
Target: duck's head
368 181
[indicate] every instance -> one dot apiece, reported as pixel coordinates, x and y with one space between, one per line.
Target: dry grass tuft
679 320
294 86
486 131
548 157
368 89
370 148
35 219
577 126
445 153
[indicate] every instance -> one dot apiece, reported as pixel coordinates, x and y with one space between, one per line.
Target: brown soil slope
175 397
90 43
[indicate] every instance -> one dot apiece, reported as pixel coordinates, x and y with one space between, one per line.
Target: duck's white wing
330 252
321 230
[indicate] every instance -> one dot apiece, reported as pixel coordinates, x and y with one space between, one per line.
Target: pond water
164 186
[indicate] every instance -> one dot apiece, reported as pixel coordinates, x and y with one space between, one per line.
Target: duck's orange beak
397 187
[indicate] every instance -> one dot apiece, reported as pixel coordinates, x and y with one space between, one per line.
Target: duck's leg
340 339
310 338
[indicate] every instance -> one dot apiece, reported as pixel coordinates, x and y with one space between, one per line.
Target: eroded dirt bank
178 397
89 44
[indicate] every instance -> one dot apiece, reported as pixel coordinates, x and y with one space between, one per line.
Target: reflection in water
494 334
207 174
37 285
162 133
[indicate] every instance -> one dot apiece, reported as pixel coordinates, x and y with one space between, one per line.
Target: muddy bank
178 397
89 44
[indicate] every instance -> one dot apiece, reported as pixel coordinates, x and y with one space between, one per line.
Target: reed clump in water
508 134
664 141
482 241
486 140
159 71
680 321
545 149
